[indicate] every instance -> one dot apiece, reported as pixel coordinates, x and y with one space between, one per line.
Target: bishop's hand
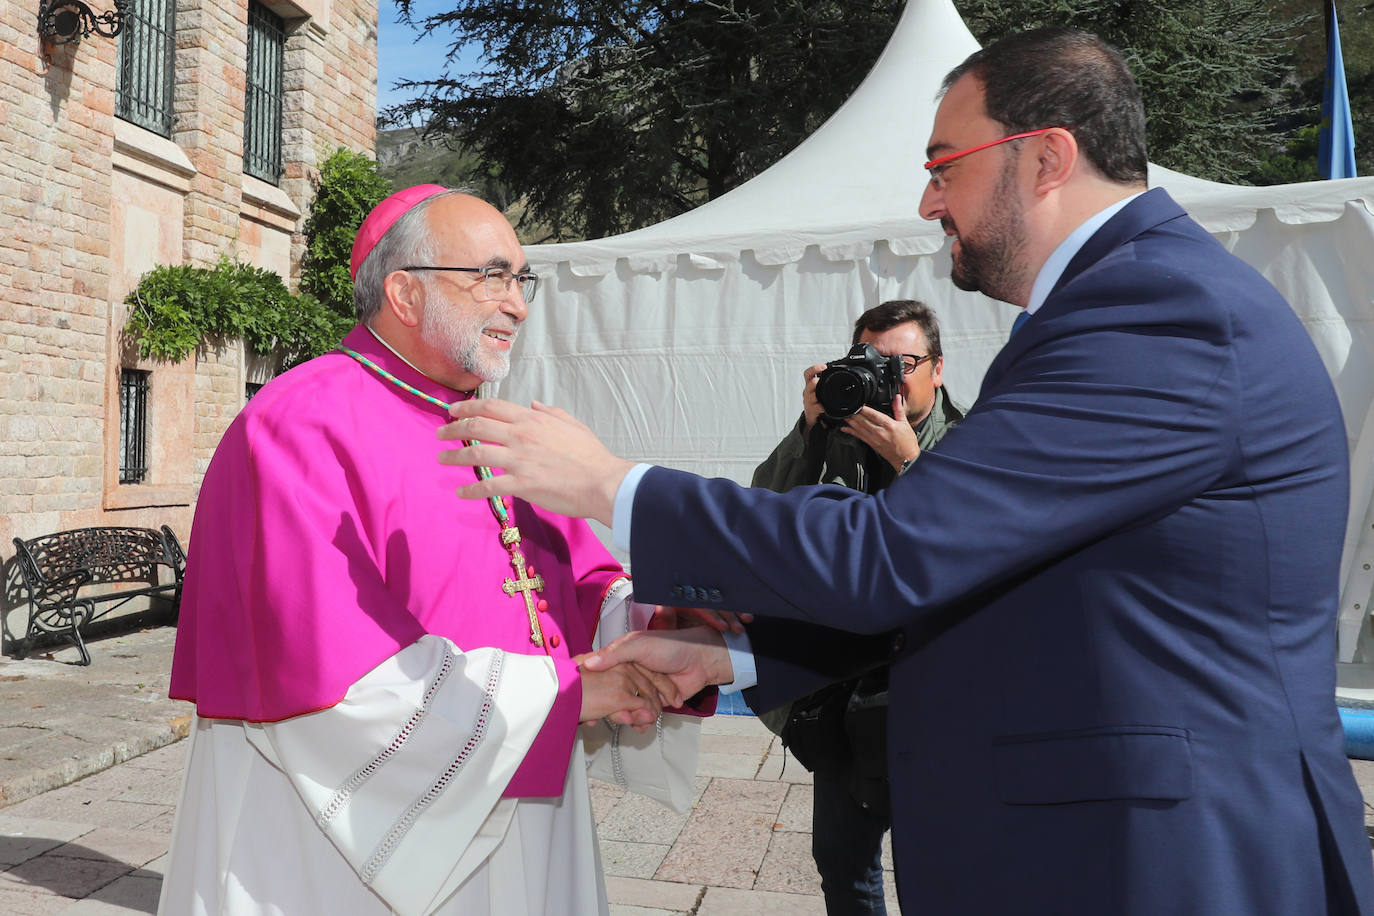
548 457
624 694
691 658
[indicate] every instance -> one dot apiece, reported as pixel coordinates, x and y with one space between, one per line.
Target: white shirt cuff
742 659
624 506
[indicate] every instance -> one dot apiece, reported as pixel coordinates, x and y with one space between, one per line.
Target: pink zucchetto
383 217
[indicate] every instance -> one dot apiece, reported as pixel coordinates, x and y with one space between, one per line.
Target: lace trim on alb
341 797
377 861
616 593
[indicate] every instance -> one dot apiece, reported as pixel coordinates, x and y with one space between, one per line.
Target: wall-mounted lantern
69 21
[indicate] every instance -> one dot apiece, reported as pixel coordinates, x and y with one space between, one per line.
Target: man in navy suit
1109 595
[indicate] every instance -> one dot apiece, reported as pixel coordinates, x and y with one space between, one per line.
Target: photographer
840 732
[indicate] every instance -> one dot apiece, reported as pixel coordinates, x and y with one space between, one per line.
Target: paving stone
755 745
14 850
156 868
604 798
79 806
617 909
63 875
169 759
788 865
744 795
734 725
726 901
31 902
160 824
797 808
148 787
129 894
637 819
631 860
670 895
130 847
55 805
782 766
890 893
22 838
724 841
729 766
93 907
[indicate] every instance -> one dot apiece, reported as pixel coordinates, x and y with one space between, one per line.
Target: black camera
864 377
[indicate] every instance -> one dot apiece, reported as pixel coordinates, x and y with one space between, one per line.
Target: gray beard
445 330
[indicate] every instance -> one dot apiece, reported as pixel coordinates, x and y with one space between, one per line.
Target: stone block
18 900
669 895
725 838
131 893
23 838
788 865
63 875
729 766
110 844
632 860
797 809
637 819
753 744
725 901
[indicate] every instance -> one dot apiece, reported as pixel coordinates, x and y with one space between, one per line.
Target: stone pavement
90 767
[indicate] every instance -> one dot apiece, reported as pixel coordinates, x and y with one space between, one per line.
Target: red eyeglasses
936 166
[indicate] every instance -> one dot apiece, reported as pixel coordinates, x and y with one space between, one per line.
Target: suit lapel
1146 212
1142 214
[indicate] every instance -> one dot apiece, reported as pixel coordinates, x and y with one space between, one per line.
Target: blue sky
400 56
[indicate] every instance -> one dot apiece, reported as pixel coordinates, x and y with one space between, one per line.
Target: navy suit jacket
1110 599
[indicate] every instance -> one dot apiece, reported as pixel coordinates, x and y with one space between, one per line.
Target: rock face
403 144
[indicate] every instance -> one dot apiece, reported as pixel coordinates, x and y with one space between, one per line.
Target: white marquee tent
683 343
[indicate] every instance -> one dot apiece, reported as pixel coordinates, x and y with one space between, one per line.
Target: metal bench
63 574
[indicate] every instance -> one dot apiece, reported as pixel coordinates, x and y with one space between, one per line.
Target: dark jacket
841 730
1114 587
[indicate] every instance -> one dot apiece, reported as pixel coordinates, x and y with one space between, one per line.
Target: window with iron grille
262 104
147 63
133 425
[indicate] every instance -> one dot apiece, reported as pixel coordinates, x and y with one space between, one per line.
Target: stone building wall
89 202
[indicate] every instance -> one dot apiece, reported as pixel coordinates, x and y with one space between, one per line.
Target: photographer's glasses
497 280
910 361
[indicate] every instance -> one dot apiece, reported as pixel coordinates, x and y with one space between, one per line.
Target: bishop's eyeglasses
497 280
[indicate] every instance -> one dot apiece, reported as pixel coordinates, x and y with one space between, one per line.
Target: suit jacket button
898 642
715 597
676 591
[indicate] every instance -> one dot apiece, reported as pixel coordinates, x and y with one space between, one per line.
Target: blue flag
1336 145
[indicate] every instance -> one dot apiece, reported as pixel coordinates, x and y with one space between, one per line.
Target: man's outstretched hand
549 458
691 658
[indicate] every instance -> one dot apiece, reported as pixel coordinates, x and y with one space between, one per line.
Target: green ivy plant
349 187
175 309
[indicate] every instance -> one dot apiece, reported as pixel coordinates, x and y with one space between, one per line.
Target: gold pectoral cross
524 584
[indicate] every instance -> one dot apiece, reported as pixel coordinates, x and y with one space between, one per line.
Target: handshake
632 680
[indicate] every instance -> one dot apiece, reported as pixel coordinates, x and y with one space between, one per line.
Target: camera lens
843 391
